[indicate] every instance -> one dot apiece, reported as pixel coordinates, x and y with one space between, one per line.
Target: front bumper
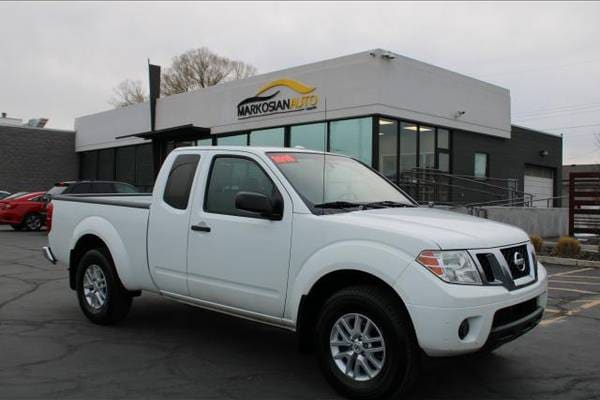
510 331
437 312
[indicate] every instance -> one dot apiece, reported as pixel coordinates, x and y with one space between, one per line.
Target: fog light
463 329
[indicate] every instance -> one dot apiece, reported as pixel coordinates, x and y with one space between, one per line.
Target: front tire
366 345
102 297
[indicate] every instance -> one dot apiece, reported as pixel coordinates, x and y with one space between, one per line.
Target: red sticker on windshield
283 158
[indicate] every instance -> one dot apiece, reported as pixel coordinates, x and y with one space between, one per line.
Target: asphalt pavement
169 350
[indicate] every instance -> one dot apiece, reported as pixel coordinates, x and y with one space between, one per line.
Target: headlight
451 266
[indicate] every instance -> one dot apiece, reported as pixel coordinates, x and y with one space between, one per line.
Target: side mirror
257 203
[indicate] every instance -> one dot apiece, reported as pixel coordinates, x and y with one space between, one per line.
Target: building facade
442 136
34 159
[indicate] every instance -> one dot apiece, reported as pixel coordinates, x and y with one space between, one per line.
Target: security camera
387 55
459 114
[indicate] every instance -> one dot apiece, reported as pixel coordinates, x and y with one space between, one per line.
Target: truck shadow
249 360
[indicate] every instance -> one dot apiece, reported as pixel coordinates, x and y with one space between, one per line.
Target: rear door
169 223
236 258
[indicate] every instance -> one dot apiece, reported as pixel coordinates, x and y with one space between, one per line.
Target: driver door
237 258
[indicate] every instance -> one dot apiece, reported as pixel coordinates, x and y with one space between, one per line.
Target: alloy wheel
33 223
94 287
357 347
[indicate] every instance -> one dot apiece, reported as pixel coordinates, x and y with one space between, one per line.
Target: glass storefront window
443 139
125 163
144 167
268 137
204 142
388 148
481 163
426 147
408 146
352 137
237 140
444 162
311 136
106 164
89 165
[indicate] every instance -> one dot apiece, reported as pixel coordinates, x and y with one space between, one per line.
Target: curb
571 262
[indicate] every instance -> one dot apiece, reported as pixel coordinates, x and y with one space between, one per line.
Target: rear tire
102 297
383 324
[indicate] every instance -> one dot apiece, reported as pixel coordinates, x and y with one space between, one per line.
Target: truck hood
447 229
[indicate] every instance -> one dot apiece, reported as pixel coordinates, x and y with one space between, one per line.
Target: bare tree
200 68
192 70
128 92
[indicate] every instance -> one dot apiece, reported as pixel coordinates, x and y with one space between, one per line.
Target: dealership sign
269 100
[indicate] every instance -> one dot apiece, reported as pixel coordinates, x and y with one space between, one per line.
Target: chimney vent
3 115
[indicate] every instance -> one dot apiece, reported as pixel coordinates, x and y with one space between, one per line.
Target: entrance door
237 258
539 182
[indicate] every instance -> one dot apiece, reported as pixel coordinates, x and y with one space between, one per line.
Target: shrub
537 242
567 247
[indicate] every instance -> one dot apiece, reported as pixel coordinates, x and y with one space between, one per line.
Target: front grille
514 313
517 271
485 265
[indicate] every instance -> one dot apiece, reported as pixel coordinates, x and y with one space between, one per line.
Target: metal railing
430 185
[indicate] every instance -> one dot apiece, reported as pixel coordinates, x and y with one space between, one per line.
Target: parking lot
166 349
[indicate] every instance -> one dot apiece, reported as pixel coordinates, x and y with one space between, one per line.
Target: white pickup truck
311 242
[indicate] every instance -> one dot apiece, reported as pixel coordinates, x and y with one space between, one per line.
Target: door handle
201 228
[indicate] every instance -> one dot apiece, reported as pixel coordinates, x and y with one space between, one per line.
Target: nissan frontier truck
312 242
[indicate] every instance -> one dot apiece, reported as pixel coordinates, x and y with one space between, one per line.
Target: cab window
231 175
179 183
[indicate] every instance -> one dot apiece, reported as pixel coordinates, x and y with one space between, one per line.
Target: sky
62 60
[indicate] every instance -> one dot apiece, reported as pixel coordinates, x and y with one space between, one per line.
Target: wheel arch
85 243
323 288
97 232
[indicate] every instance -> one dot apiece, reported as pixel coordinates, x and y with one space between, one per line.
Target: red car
24 211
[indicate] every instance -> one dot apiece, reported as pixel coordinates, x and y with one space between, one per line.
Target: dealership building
440 135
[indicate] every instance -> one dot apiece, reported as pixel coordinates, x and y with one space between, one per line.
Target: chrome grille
513 255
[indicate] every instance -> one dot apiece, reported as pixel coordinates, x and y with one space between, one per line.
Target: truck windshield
347 185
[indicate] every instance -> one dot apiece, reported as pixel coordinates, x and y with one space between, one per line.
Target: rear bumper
48 255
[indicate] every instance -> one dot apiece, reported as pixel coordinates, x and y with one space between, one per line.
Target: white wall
352 85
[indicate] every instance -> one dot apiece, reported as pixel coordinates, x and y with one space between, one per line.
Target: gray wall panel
34 159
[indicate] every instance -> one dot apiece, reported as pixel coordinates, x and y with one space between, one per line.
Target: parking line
576 283
570 272
573 290
583 307
583 277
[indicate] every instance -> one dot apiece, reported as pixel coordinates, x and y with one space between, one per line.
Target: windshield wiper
362 206
338 204
385 203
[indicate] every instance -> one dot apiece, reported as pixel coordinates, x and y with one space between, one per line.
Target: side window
179 183
81 188
103 187
231 175
125 188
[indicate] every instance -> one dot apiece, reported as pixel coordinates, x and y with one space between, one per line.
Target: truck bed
121 221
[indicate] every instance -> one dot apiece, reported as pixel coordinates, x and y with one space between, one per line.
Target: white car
311 242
